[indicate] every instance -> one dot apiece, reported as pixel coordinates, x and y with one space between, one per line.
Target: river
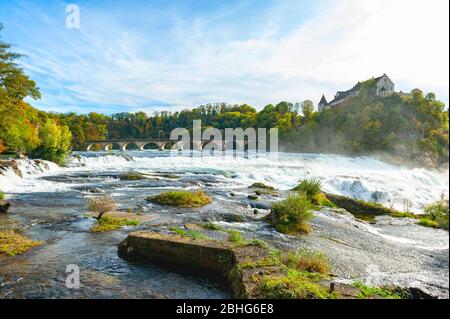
49 203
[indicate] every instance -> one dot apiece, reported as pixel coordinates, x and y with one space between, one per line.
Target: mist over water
360 177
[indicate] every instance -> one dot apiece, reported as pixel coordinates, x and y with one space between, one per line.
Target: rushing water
50 202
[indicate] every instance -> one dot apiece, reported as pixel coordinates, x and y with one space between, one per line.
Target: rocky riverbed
49 205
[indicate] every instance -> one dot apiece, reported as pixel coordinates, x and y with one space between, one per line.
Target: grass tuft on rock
309 261
257 242
211 226
426 222
185 199
262 186
367 292
106 223
236 237
294 285
263 189
312 188
131 177
291 215
12 244
191 233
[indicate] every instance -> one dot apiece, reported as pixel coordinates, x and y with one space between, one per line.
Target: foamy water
361 177
389 244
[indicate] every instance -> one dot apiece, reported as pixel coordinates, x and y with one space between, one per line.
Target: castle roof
323 100
343 94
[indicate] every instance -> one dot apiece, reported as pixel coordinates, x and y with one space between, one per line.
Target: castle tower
323 104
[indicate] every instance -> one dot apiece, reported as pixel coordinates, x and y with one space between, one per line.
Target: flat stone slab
208 256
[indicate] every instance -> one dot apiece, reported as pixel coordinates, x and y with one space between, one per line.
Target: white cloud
344 42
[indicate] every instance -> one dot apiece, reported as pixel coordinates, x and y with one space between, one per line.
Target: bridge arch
113 146
95 147
149 146
131 146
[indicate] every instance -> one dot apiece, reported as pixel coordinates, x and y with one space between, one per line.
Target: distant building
323 103
381 86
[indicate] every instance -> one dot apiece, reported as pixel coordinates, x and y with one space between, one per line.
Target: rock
201 255
131 176
241 267
13 164
192 227
266 205
41 163
359 207
253 197
416 293
207 257
4 207
262 189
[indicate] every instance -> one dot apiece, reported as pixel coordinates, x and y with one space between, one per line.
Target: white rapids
359 177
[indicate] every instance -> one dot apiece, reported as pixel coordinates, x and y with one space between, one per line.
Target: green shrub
438 212
181 199
310 187
2 195
101 205
291 215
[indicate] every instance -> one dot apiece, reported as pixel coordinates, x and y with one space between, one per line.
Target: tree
101 205
2 146
13 80
55 142
307 110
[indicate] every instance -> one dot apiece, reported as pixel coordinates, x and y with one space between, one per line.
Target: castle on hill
382 87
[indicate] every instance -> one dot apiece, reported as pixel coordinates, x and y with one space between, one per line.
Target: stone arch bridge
162 144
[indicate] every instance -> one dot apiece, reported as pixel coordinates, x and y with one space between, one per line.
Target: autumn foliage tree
23 129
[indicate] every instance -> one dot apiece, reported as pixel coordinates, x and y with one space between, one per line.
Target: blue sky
168 55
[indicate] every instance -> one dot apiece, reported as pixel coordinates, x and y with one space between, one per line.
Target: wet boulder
12 164
359 207
4 207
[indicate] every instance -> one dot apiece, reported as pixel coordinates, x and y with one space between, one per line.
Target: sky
158 55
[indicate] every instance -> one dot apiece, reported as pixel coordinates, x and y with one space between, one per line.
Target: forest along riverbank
49 203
